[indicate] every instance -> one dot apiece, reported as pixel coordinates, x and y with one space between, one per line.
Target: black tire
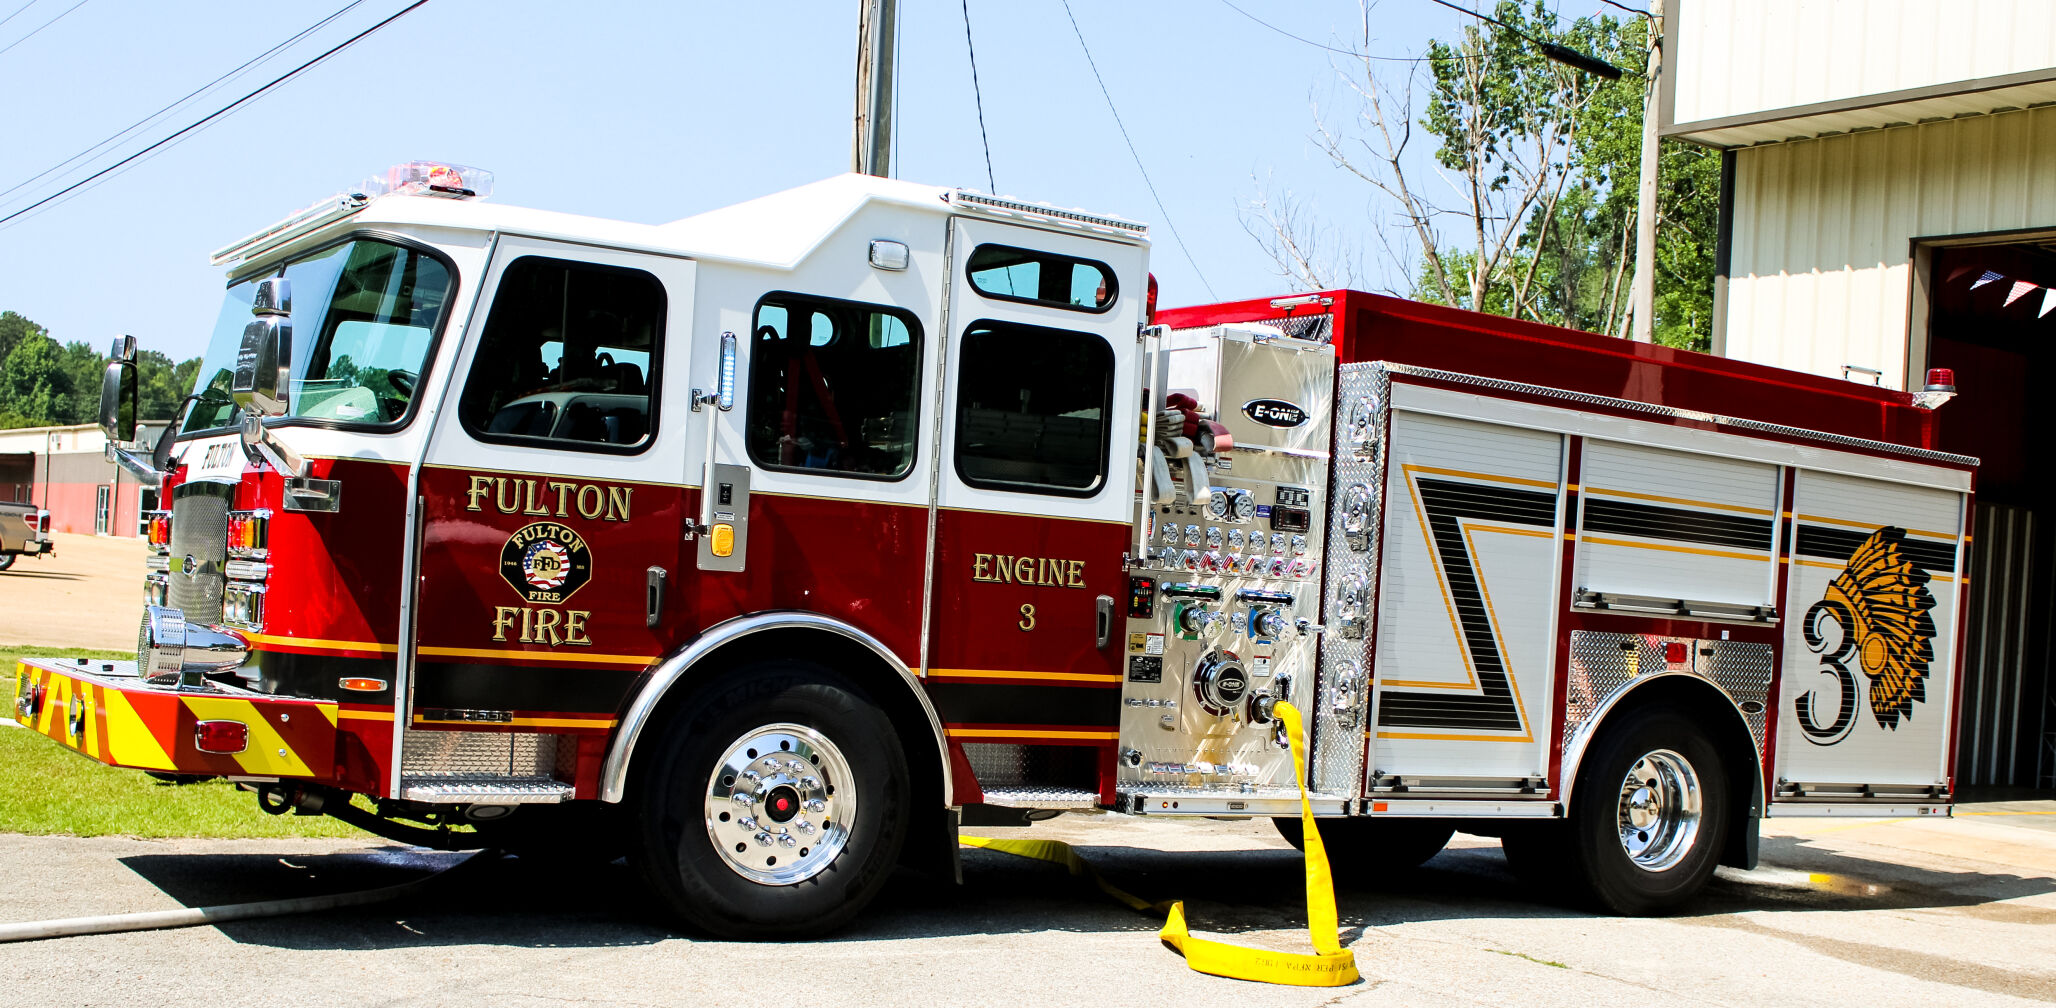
6 560
706 887
1363 850
1592 851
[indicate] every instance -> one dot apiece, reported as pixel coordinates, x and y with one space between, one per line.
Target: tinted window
1032 407
834 387
569 357
1044 278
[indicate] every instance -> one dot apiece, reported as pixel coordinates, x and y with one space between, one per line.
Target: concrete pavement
1843 912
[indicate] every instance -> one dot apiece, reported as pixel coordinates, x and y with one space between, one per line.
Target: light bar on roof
410 178
1043 212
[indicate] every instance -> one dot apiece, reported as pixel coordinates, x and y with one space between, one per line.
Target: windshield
364 314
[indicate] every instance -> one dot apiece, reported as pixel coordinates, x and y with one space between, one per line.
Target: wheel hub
1659 811
779 804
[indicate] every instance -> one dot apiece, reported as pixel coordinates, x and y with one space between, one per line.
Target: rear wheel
1361 850
6 561
1647 820
775 807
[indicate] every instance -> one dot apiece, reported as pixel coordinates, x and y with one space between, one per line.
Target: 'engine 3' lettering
559 498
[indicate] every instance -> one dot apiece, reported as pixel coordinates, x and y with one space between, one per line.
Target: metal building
1889 206
65 470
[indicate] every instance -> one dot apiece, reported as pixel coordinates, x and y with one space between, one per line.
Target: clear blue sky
650 112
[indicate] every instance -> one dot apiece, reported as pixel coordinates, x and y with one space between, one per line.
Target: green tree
1543 160
34 390
45 384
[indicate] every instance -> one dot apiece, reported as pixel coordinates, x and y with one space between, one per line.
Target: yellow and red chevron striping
120 721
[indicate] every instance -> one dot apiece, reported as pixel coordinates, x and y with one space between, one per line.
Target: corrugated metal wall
1736 57
2002 734
1821 273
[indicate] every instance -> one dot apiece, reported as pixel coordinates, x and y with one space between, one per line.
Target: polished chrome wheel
1660 806
780 803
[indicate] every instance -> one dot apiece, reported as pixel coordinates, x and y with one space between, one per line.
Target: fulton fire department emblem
1877 616
546 562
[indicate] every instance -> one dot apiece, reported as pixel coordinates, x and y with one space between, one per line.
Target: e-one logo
1274 412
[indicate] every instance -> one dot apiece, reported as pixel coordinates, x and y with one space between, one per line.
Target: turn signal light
1674 652
248 533
363 685
223 737
160 528
723 543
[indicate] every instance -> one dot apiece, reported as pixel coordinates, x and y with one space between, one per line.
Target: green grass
13 651
48 789
1532 959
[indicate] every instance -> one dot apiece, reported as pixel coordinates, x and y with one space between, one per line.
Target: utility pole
877 38
1643 292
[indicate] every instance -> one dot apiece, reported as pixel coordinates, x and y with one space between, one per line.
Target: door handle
653 597
1104 607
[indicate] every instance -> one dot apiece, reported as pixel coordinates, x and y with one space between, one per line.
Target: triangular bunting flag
2048 301
1987 278
2020 289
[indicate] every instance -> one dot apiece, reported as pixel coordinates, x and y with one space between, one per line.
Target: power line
209 86
216 114
976 95
1625 7
1344 52
17 12
42 26
1131 151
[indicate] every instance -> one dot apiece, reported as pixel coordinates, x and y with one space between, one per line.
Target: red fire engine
769 546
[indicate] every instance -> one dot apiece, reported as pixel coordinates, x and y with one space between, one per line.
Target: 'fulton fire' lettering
999 568
548 497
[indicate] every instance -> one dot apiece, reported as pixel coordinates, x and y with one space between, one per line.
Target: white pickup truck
24 530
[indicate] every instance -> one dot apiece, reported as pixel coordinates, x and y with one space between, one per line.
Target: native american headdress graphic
1890 626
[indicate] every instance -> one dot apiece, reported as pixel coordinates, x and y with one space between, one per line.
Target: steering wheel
403 382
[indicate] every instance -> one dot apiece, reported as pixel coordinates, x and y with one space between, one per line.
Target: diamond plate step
491 789
1042 798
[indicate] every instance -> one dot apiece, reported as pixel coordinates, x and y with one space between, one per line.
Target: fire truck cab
770 545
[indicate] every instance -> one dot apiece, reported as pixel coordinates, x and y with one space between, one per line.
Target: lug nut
816 805
763 839
804 827
810 783
788 841
744 798
747 822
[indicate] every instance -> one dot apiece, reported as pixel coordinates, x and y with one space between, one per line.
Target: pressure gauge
1245 505
1278 542
1236 538
1168 532
1217 505
1299 545
1191 535
1213 537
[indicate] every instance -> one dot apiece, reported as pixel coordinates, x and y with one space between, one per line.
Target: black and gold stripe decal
1653 521
1838 544
1444 506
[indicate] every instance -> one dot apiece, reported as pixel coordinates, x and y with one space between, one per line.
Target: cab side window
1032 409
569 358
834 387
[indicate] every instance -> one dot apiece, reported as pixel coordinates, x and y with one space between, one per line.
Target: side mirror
118 392
264 363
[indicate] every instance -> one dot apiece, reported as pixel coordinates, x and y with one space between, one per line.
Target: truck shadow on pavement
41 576
515 902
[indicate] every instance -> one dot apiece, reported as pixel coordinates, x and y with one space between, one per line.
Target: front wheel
1650 814
776 806
6 560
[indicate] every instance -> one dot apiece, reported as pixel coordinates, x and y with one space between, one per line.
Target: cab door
1035 494
552 486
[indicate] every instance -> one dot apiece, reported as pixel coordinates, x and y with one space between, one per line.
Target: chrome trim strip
1790 810
614 773
1461 809
410 552
1630 405
967 200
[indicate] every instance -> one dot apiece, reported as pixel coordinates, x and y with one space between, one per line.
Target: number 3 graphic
1027 617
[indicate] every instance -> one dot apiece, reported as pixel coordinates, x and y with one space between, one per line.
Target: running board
1266 802
483 789
1042 798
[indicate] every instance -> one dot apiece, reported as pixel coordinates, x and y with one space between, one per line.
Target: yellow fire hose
1330 965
